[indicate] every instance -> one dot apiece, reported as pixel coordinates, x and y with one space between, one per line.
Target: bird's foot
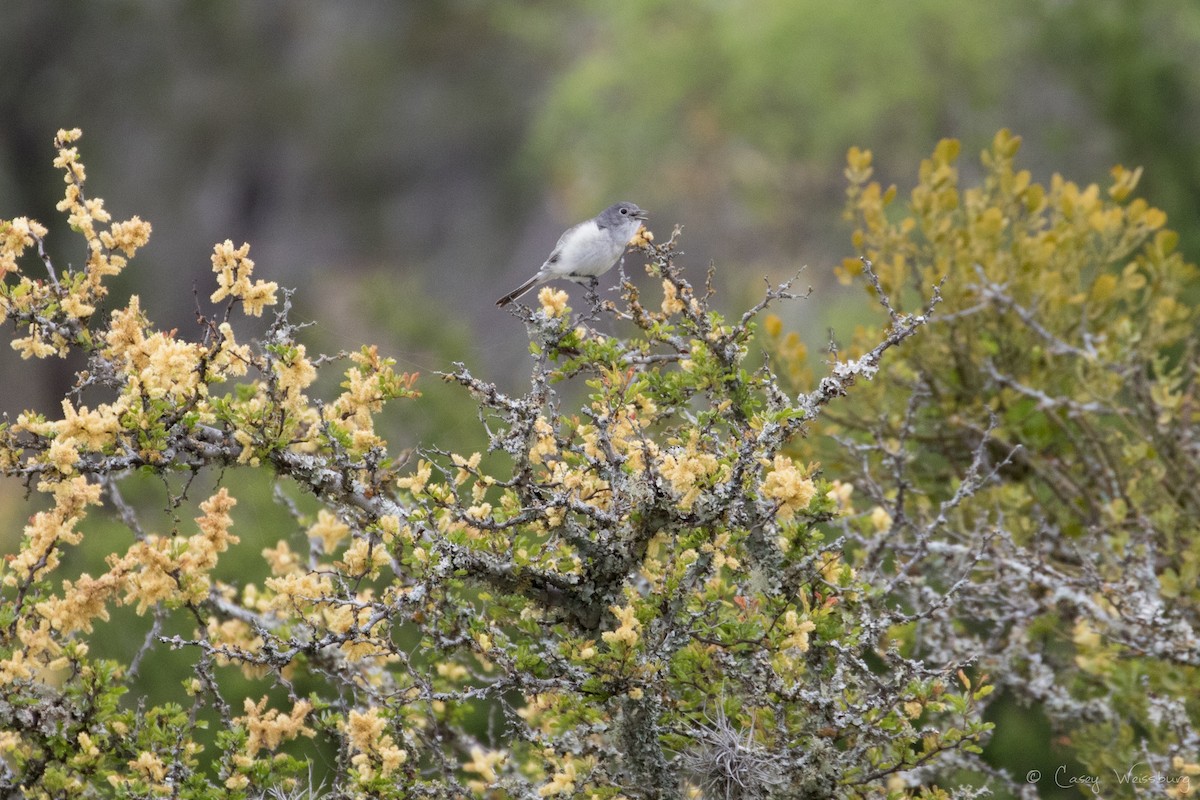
592 296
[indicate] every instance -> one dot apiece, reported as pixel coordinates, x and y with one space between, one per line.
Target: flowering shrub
658 592
1063 362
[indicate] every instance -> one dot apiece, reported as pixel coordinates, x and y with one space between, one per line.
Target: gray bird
588 249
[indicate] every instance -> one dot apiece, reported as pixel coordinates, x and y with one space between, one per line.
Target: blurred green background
403 164
434 151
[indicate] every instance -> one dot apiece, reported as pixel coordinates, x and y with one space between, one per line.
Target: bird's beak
641 215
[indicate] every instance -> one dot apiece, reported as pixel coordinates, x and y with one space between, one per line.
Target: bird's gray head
621 214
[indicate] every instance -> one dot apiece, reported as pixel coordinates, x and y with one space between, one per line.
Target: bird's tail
520 290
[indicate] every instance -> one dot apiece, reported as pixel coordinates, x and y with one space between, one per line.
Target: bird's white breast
587 250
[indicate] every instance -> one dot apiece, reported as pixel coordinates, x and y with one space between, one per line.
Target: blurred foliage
731 105
330 137
733 95
458 138
1136 61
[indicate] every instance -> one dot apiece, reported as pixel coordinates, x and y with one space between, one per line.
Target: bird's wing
557 252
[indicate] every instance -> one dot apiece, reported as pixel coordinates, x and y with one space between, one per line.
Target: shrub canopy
717 574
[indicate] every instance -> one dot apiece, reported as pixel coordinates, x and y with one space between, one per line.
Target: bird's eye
624 210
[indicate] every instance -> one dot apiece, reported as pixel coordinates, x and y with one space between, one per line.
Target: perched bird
588 249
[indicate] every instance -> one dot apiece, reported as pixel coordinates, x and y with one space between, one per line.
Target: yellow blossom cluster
237 636
466 466
376 752
544 444
1187 771
157 365
300 591
311 594
89 430
282 559
128 236
563 781
840 492
297 589
656 572
690 470
35 345
880 519
584 485
150 767
81 603
417 482
452 670
38 653
837 572
554 301
62 455
1091 654
155 569
484 763
329 530
74 297
789 486
628 631
371 636
293 374
15 237
369 382
540 709
46 529
169 568
719 549
234 268
231 358
171 367
268 728
84 214
671 303
364 556
796 631
626 433
643 237
88 750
